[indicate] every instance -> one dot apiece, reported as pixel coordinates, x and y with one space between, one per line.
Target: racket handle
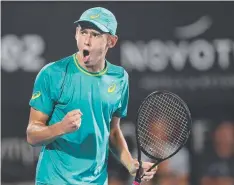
135 183
150 169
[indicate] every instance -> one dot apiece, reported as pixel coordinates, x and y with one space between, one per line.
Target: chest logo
111 88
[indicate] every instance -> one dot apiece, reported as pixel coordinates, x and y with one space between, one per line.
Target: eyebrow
95 31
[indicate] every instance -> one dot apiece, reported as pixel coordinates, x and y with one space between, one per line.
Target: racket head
177 101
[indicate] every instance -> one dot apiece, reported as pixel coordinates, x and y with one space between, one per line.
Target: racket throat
152 167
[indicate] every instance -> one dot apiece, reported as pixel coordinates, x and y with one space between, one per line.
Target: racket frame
141 149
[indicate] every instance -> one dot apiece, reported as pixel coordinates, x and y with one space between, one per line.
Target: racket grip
135 183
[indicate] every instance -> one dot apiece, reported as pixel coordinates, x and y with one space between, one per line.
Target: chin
88 64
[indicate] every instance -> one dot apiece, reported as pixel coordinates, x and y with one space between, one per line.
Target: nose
87 40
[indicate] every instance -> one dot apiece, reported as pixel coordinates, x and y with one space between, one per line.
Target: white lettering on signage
22 53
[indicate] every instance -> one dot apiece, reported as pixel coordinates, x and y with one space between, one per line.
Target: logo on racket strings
36 95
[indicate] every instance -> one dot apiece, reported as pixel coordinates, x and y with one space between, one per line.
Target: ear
112 40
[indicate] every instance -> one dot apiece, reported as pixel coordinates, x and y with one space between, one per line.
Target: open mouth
85 53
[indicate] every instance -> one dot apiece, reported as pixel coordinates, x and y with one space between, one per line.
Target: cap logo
94 16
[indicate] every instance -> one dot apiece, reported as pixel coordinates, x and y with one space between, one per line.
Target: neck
100 65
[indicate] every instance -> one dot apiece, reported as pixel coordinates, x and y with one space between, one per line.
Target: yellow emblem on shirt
111 88
36 95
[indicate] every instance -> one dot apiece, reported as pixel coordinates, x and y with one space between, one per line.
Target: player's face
93 45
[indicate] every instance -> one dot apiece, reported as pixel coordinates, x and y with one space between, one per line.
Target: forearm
40 134
120 148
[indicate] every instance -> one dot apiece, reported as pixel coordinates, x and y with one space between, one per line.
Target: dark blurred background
183 47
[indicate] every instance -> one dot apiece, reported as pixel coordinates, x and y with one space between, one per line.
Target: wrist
57 129
130 165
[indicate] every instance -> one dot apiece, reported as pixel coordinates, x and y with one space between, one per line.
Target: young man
76 107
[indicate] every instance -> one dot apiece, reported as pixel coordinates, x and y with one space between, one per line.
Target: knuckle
69 114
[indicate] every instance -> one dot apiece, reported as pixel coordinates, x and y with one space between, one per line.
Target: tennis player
76 107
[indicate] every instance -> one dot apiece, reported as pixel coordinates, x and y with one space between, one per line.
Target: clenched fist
72 121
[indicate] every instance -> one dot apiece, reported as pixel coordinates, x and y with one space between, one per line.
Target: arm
118 142
38 133
119 145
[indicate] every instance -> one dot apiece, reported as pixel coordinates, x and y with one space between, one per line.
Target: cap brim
100 26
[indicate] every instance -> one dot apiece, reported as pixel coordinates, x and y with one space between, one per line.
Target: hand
71 122
145 166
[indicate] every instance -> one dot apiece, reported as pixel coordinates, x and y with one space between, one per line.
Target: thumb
136 164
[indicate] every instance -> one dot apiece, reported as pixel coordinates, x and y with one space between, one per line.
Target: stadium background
183 47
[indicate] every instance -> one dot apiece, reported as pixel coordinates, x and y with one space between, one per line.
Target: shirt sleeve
41 96
123 105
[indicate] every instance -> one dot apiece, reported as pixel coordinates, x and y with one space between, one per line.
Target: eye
96 34
83 32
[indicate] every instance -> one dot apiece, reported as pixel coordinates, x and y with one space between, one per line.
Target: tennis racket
162 129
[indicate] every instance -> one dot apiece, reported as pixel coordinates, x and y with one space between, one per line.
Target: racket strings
160 118
179 114
170 132
162 125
